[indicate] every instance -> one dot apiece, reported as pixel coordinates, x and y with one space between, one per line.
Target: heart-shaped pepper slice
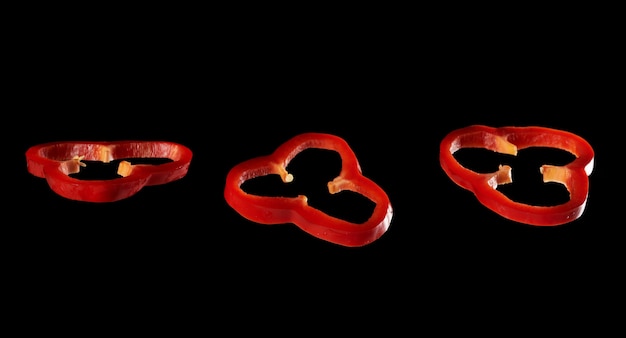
508 140
55 161
278 210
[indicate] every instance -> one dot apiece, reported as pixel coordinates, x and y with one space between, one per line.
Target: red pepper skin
278 210
54 161
508 140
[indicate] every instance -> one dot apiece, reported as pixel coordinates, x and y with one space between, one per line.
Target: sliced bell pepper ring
508 140
278 210
55 161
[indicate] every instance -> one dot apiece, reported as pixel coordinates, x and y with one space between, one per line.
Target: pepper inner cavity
98 170
527 185
311 170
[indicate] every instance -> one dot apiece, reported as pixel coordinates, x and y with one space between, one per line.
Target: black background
235 85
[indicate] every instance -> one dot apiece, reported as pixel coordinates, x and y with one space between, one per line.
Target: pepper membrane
508 140
277 210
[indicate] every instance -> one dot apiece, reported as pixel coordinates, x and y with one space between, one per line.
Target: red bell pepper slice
278 210
54 161
508 140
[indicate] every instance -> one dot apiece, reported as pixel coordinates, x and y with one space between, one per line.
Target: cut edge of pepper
351 170
525 213
48 161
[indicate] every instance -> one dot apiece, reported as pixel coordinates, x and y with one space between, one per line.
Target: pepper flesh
54 161
508 140
278 210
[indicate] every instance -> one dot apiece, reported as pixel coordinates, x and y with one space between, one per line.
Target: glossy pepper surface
508 140
55 161
276 210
